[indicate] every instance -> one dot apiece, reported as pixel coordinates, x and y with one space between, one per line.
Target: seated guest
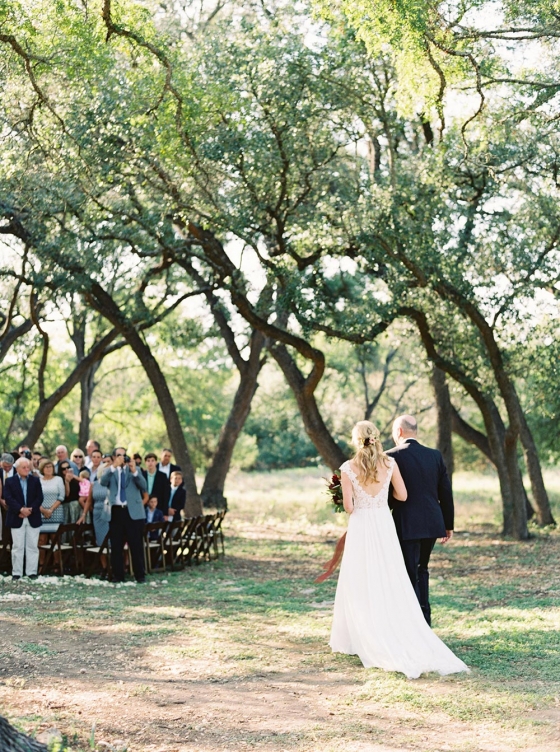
165 465
153 514
24 497
177 496
157 482
52 514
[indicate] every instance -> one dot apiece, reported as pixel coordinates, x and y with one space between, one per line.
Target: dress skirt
376 613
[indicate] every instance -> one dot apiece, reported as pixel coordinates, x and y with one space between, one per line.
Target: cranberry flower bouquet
334 491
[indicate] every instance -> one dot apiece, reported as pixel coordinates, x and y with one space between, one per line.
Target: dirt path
214 660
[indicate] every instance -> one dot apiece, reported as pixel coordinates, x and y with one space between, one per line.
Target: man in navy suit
24 495
428 512
177 496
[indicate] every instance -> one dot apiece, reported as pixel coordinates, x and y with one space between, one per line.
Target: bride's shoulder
346 467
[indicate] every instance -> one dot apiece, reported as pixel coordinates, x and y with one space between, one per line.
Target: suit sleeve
38 496
140 481
106 478
179 499
445 496
11 500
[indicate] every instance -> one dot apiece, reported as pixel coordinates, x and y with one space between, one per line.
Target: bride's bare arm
346 492
399 489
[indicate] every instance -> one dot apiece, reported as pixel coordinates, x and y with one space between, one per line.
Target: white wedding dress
376 613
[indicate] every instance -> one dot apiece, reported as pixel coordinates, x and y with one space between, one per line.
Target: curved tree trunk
315 427
214 482
104 303
444 419
41 417
473 436
502 443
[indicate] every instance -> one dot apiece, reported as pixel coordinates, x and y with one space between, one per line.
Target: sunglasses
78 456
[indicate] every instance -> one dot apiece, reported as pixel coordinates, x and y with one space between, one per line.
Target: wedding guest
177 496
138 459
101 514
78 458
24 497
52 513
157 482
7 463
36 458
126 485
91 447
71 504
153 514
165 465
96 464
6 471
62 456
85 489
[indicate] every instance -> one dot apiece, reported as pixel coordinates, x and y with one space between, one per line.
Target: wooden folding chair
172 545
218 534
189 539
154 548
204 537
83 537
61 550
95 553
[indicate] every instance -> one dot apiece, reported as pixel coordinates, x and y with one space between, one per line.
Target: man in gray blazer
126 486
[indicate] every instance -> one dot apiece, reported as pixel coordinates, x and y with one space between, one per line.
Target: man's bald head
404 427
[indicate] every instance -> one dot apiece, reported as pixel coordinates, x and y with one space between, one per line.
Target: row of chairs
167 546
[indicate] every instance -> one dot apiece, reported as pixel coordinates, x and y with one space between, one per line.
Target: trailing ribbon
331 565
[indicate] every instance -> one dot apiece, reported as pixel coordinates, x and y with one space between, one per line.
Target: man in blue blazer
126 486
23 495
427 514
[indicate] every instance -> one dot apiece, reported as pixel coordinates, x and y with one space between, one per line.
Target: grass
256 620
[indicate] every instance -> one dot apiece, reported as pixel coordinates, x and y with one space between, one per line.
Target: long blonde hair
369 452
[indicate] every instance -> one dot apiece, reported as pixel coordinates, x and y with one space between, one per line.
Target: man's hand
448 536
25 512
118 461
132 465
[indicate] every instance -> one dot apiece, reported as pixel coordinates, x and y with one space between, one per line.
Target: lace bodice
363 500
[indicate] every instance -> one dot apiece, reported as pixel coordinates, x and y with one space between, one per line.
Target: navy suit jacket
428 509
13 496
160 490
179 499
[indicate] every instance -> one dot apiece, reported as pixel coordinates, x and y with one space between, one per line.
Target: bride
376 612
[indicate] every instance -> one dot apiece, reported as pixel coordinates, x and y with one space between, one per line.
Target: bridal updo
369 452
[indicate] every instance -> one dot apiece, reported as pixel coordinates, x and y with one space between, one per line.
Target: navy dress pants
416 555
123 528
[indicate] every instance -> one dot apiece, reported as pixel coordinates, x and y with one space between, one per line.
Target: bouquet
334 491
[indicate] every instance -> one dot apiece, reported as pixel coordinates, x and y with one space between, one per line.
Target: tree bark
502 442
214 482
46 407
444 419
315 427
104 303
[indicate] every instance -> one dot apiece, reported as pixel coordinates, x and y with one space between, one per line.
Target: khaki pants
25 543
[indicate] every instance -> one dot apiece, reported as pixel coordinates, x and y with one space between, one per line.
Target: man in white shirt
165 465
126 489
